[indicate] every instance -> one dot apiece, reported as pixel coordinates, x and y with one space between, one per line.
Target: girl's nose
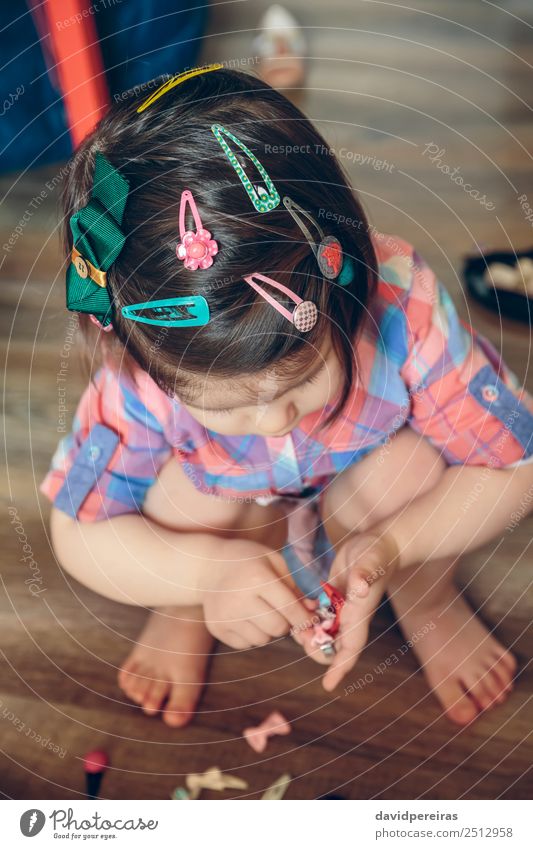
278 418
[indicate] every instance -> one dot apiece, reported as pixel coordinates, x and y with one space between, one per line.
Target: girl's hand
361 571
247 603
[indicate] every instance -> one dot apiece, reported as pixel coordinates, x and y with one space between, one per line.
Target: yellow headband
176 80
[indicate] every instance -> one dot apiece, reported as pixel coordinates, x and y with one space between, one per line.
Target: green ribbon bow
97 235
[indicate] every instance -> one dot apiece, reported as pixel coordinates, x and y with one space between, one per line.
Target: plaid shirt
418 365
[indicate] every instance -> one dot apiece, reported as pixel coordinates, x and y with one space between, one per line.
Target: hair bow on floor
274 724
213 779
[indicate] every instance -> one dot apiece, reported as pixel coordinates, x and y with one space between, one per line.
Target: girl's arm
134 560
469 506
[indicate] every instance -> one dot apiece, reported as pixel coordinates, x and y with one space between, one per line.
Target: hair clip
263 200
170 312
196 250
98 238
257 736
213 779
304 316
328 253
99 324
177 79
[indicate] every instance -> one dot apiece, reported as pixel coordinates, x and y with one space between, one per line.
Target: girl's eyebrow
238 406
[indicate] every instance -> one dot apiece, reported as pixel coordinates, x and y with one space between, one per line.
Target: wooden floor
385 80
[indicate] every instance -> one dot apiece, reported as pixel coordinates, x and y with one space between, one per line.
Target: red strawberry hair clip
328 252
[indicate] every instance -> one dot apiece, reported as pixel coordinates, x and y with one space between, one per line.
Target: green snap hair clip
263 200
170 312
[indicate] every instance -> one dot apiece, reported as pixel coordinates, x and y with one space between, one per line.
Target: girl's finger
253 634
343 661
234 640
313 651
284 600
269 620
358 584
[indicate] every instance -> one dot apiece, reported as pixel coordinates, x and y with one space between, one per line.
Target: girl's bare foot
466 667
166 670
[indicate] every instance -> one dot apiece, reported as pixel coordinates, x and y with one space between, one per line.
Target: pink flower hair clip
195 249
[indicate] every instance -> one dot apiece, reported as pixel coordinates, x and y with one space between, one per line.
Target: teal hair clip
170 312
347 272
262 199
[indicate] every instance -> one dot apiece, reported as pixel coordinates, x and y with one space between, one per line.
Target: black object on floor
332 796
501 301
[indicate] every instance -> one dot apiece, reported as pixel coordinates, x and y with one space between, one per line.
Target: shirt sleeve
112 456
463 398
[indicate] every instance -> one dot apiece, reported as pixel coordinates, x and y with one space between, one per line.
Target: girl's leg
166 669
466 667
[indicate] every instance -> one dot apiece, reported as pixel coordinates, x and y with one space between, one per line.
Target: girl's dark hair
170 147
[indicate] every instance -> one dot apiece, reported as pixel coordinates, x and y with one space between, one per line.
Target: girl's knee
175 502
383 482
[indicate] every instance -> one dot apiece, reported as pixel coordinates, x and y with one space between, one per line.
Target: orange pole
78 63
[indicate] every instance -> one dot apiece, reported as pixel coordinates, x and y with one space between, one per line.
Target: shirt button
81 267
490 393
94 452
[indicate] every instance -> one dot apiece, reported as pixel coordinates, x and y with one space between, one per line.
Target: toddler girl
285 396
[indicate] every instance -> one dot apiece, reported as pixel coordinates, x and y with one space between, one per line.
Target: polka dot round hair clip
305 314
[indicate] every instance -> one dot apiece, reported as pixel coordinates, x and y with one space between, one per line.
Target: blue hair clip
170 312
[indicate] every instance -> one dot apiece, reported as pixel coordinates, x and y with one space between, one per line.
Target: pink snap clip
196 249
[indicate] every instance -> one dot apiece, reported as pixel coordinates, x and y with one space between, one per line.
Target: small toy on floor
502 281
180 794
516 278
330 603
332 796
278 788
257 737
212 779
95 764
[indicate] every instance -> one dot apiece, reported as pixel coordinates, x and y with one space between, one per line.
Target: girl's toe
502 673
155 696
497 687
125 673
179 709
129 680
507 660
457 705
476 684
139 686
